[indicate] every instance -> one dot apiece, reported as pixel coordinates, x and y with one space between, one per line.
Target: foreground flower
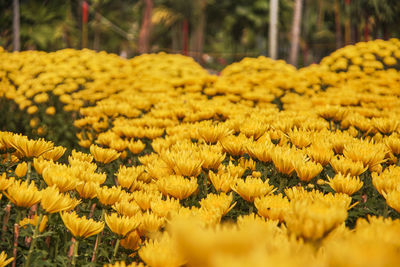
162 253
314 219
81 226
121 225
53 201
23 195
3 259
123 264
103 155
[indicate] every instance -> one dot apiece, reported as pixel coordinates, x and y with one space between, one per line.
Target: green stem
386 211
75 252
28 172
115 250
98 240
34 238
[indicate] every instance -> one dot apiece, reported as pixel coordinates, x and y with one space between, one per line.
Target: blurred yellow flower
33 221
3 259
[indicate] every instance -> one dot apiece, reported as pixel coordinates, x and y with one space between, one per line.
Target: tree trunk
176 33
338 25
185 36
294 47
273 29
145 29
16 39
85 18
97 30
366 29
321 14
347 24
197 38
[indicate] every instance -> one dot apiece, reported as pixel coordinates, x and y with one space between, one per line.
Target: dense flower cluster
180 167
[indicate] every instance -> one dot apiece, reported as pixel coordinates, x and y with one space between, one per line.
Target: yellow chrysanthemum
81 227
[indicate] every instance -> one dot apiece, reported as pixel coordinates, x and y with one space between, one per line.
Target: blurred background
214 32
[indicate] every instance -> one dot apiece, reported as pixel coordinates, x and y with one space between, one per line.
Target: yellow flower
80 156
127 177
149 223
3 259
260 151
320 152
313 219
121 225
252 188
59 175
272 207
233 145
221 202
40 164
32 110
282 159
53 201
393 199
144 199
177 186
51 110
131 241
23 195
211 157
34 222
21 169
306 170
108 196
222 182
103 155
87 190
126 208
136 147
5 183
368 153
30 148
347 166
184 163
122 263
55 153
80 226
345 184
213 133
388 180
165 207
162 253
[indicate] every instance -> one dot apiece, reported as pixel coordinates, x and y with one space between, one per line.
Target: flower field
153 161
